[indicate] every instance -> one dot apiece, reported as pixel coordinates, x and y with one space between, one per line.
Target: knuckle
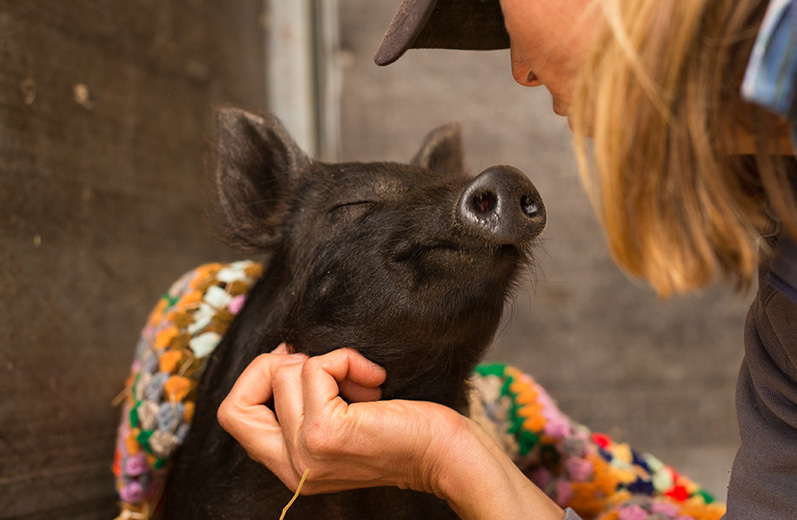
318 440
222 413
263 359
226 414
312 365
282 374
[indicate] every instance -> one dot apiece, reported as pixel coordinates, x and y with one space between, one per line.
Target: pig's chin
457 267
424 361
462 251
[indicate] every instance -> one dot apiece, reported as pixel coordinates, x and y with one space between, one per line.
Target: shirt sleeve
571 515
771 74
764 474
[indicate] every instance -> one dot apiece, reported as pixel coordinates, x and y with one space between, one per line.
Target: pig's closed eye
350 210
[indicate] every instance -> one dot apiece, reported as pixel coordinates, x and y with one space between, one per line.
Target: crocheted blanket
588 472
181 332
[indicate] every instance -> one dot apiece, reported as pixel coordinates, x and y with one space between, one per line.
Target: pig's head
408 263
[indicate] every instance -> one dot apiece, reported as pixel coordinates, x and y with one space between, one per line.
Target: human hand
344 446
365 443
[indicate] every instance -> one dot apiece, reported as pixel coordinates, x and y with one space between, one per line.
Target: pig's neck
259 328
448 387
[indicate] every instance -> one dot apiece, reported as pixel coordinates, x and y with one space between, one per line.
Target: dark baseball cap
443 24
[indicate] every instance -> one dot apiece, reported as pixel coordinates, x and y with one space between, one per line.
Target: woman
657 87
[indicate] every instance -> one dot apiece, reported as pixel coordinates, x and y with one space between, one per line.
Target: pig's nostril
502 206
484 202
530 208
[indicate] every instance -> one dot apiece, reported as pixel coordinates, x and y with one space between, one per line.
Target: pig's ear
256 161
442 150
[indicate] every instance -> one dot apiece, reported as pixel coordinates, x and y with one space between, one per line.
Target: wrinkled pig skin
372 256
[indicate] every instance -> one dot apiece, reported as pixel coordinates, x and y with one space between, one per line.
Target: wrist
479 481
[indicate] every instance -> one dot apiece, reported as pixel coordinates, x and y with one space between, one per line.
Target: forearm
480 482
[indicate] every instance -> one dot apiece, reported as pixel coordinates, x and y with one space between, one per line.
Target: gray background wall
105 117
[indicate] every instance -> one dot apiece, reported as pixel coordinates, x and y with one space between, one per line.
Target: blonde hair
658 94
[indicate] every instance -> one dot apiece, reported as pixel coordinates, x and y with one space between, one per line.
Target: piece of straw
120 397
295 495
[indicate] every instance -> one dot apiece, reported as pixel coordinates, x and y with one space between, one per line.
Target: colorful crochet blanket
181 332
588 472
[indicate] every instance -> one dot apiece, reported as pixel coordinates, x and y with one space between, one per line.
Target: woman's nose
521 71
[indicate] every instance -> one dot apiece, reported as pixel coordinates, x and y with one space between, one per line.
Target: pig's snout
502 206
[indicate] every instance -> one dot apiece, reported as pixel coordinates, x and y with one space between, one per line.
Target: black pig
408 263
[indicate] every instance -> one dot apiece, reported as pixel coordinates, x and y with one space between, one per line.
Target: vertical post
303 75
329 79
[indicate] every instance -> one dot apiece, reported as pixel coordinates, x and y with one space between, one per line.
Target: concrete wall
660 375
106 109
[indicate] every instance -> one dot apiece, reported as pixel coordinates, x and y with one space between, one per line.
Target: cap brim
443 24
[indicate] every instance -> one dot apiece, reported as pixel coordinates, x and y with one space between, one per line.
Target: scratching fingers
358 393
326 377
244 413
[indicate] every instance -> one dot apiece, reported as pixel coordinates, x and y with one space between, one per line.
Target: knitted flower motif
578 469
132 493
236 304
564 492
665 508
170 361
176 388
163 443
136 464
633 512
204 344
217 297
169 415
147 413
557 425
154 388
